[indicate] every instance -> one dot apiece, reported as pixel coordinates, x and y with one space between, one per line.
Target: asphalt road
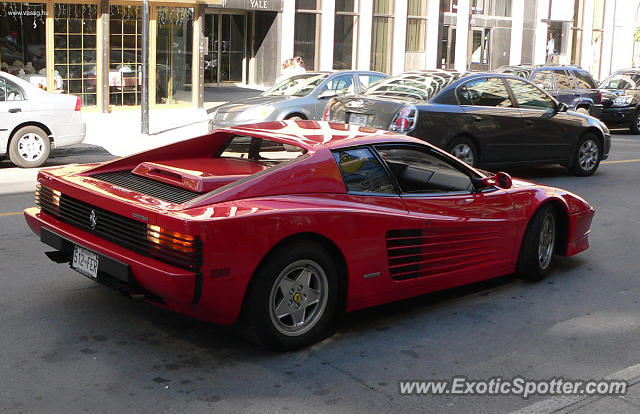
70 345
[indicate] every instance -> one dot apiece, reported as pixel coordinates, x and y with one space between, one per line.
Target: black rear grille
128 233
143 185
404 251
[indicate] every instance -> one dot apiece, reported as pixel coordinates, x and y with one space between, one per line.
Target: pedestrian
551 46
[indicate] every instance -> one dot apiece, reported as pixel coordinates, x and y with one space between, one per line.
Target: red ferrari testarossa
284 225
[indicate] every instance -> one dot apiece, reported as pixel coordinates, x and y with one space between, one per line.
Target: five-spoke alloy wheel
29 147
587 155
538 245
293 298
464 150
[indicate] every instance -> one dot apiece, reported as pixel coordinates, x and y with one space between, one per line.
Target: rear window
260 150
585 81
422 86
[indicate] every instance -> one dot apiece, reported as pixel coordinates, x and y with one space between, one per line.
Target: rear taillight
327 109
599 97
78 104
404 120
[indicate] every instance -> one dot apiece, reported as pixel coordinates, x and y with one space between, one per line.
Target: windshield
421 86
299 85
627 80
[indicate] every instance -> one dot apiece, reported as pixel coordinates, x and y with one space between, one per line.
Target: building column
102 58
517 30
433 17
327 21
49 48
399 44
587 34
365 26
197 82
286 34
607 38
542 30
462 35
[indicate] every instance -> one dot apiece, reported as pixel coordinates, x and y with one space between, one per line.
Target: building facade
93 48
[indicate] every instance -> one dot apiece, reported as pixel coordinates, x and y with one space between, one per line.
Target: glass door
174 44
225 54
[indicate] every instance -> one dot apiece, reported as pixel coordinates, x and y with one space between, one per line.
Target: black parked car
621 100
487 120
571 85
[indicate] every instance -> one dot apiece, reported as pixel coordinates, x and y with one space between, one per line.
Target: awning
252 5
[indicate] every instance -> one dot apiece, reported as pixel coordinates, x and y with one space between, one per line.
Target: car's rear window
413 85
260 150
585 81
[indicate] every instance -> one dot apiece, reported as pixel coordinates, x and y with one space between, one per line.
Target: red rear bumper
169 282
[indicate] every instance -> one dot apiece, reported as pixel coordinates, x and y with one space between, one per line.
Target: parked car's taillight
404 120
327 109
78 104
599 97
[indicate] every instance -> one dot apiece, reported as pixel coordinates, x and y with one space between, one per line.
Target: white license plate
357 119
85 262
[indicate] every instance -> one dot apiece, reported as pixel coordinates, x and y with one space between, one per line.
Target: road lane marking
620 161
14 213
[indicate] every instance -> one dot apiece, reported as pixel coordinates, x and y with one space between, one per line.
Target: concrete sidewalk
119 132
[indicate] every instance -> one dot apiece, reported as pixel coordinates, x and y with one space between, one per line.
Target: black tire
584 111
29 147
635 126
533 265
587 155
465 150
274 283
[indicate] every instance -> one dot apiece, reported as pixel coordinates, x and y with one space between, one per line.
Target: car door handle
15 110
477 118
529 123
576 94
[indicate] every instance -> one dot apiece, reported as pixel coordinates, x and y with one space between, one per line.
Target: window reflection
528 96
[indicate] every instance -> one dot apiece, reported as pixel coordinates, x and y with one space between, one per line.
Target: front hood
378 109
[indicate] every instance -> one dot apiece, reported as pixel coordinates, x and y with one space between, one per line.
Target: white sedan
32 121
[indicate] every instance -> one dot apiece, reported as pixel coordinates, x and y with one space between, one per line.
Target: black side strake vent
404 250
143 185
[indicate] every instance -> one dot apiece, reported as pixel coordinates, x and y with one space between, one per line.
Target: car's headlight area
624 100
256 113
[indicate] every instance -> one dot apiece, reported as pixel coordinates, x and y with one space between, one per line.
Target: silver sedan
301 96
32 121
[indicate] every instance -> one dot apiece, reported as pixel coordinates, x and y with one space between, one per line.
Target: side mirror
329 93
499 179
562 107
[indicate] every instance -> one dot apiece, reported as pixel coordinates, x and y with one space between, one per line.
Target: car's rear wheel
584 111
293 298
587 155
538 245
29 147
635 126
464 149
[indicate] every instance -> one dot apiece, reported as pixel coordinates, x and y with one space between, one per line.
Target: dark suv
621 100
568 84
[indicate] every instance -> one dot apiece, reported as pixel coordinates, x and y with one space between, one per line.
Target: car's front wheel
538 245
293 298
29 147
587 155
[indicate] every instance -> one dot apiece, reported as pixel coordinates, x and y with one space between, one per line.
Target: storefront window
174 51
381 38
22 41
416 26
306 35
125 55
449 6
344 35
501 8
75 49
